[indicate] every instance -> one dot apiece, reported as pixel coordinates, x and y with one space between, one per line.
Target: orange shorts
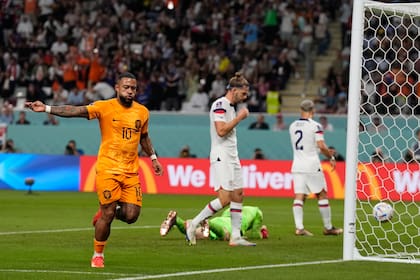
118 187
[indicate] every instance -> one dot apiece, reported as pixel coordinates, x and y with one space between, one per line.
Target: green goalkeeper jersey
252 218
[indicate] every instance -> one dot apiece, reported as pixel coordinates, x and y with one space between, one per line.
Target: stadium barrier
271 178
193 130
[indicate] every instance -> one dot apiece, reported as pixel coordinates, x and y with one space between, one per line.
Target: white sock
236 218
95 254
298 213
325 210
208 211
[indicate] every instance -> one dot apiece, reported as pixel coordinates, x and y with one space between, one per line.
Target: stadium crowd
70 52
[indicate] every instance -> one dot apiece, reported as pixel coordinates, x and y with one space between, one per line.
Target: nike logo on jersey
115 120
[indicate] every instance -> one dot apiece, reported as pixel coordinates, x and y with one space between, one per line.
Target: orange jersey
121 129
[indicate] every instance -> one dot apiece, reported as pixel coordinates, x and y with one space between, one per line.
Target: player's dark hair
237 81
126 75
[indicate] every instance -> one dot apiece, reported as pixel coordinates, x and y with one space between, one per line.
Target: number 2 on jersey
298 145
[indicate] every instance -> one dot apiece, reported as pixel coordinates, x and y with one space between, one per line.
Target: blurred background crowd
183 52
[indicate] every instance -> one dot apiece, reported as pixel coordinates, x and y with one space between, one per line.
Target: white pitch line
188 273
64 272
69 230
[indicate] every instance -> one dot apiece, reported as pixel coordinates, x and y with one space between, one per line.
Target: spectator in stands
71 149
76 97
342 105
173 98
9 147
7 115
330 101
281 70
11 77
259 123
251 32
186 153
258 154
279 124
67 70
378 156
273 99
51 120
97 68
22 119
321 31
306 48
254 100
100 90
25 28
157 91
198 102
60 95
46 8
218 87
345 17
288 22
320 98
413 153
35 92
376 126
59 46
326 126
69 30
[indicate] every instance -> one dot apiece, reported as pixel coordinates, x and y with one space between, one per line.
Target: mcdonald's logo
149 180
89 183
337 184
369 172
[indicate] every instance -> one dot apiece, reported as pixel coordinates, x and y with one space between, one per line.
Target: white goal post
384 87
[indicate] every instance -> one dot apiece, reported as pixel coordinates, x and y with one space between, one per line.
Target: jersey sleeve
94 110
219 111
319 132
144 128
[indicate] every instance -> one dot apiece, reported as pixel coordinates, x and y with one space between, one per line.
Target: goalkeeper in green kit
219 228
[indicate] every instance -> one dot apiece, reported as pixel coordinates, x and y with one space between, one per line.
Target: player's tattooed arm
70 111
66 111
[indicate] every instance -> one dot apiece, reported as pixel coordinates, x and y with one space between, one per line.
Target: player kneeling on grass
219 228
124 125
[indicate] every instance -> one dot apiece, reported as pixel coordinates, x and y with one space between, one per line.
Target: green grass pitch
48 235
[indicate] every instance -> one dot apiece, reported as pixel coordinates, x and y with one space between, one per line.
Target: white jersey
304 134
223 148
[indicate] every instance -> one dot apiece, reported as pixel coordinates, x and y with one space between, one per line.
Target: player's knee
108 216
131 214
131 220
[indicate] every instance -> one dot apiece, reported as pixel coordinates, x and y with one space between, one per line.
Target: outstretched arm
67 111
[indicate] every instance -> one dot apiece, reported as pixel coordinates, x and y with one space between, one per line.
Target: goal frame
350 251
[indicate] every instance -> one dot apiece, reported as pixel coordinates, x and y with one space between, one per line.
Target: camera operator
71 149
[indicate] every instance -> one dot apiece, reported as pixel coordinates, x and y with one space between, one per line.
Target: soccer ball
383 212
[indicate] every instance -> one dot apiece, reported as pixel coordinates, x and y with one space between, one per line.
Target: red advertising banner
268 178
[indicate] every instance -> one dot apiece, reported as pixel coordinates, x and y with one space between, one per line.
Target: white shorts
308 183
226 175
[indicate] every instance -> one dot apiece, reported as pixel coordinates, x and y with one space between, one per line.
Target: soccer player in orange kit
123 124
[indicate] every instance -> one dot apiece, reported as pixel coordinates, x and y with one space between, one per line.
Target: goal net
383 119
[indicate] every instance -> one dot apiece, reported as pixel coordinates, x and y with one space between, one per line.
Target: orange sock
99 246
